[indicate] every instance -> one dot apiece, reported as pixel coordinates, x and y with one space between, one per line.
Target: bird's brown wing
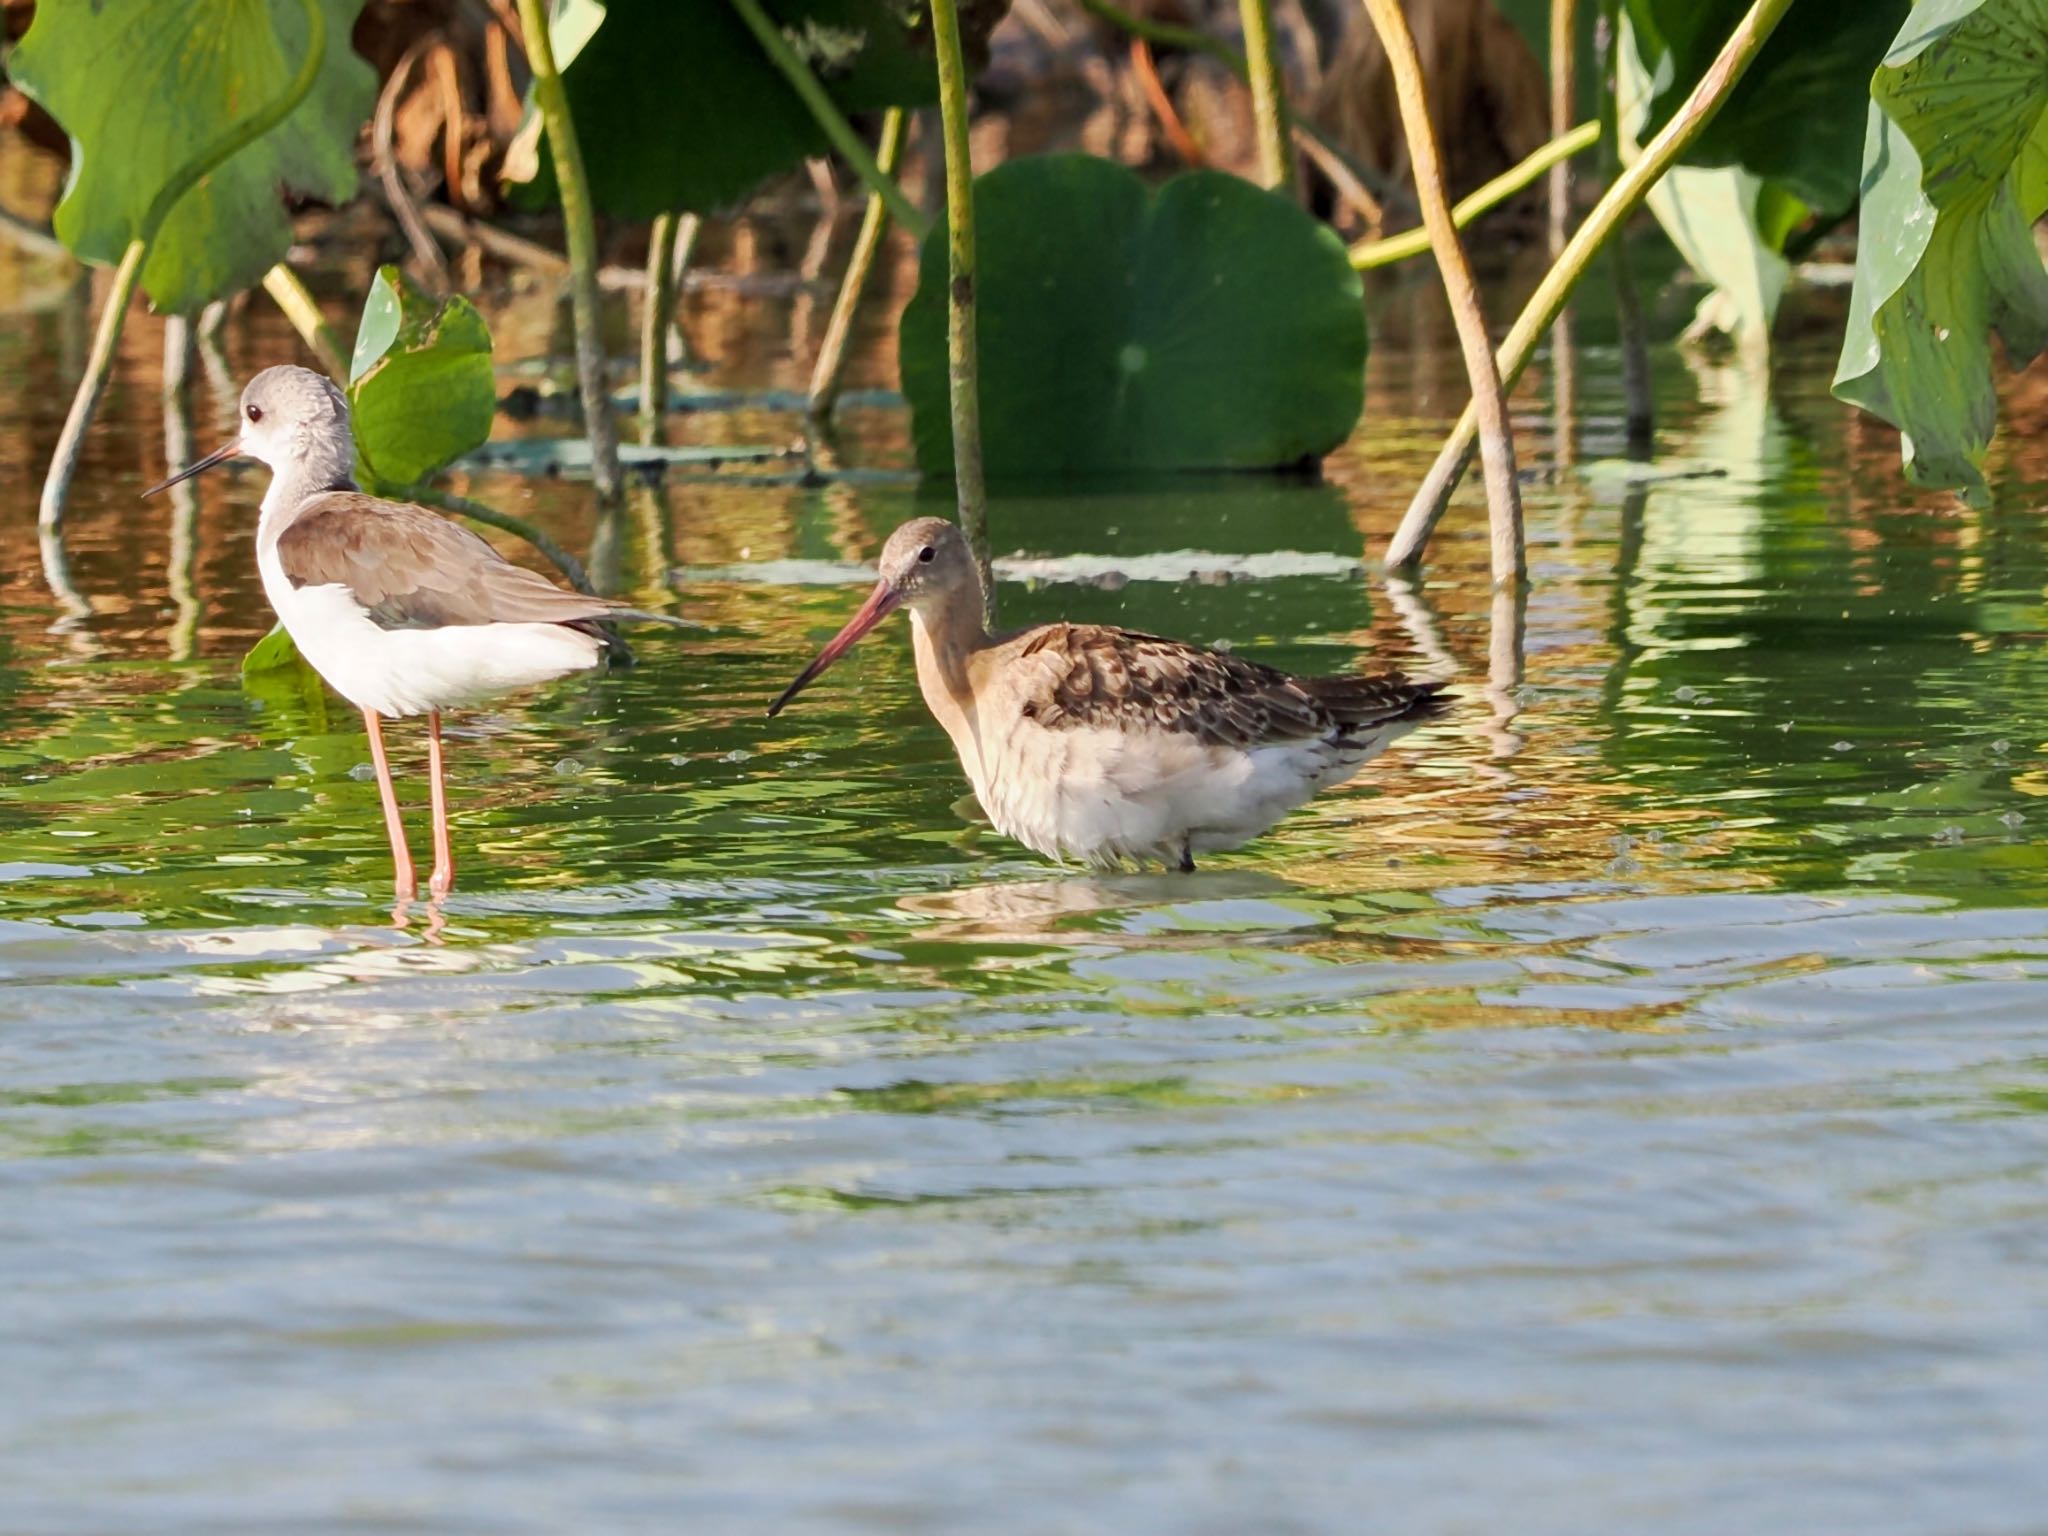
414 569
1089 675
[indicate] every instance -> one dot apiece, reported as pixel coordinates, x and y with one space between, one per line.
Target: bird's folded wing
413 569
1085 675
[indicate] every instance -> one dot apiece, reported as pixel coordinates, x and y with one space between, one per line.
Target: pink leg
443 879
401 856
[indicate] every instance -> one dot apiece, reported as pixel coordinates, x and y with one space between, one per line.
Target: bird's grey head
927 561
295 419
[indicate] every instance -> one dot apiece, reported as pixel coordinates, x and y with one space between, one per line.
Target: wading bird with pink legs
401 610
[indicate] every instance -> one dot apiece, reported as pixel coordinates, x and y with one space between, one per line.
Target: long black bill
880 604
232 449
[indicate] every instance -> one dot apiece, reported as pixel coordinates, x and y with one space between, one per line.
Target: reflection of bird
402 611
1108 746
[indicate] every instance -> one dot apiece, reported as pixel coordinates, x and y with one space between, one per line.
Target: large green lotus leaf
421 391
1955 174
677 107
142 85
1794 116
1209 325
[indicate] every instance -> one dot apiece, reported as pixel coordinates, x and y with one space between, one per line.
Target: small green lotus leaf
421 390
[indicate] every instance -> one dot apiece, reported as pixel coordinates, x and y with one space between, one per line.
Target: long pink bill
880 604
232 449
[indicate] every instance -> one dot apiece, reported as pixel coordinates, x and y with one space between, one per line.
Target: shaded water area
1623 1108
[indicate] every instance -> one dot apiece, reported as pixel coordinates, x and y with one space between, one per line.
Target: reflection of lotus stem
654 318
231 141
579 224
180 352
1614 207
1497 444
832 353
828 117
1269 95
297 302
1368 254
963 372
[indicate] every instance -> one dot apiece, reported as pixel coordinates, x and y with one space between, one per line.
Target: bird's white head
295 421
926 567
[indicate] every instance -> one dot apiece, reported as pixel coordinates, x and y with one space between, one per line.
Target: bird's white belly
398 672
1105 796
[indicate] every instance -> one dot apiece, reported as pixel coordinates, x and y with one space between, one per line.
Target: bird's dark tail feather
1359 702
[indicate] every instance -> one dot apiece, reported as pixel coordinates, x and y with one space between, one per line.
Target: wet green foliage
1956 173
677 107
421 391
1207 325
142 86
1796 117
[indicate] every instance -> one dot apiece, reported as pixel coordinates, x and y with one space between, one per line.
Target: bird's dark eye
255 413
926 554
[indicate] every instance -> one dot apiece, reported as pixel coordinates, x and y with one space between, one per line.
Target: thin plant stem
963 373
1615 205
1564 93
1497 444
1638 408
579 224
1368 254
828 116
832 352
1269 95
1564 106
300 307
654 317
231 141
570 567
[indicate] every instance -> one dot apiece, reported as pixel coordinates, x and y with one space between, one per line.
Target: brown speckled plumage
1094 675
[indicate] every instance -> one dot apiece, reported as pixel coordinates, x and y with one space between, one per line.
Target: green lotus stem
518 527
1496 433
1608 215
579 224
1369 254
1564 106
1269 95
654 318
832 354
299 306
828 116
963 369
232 140
1638 407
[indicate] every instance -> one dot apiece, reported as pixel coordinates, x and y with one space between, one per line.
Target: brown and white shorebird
401 610
1107 746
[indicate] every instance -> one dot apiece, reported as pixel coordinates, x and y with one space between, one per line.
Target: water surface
1622 1109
